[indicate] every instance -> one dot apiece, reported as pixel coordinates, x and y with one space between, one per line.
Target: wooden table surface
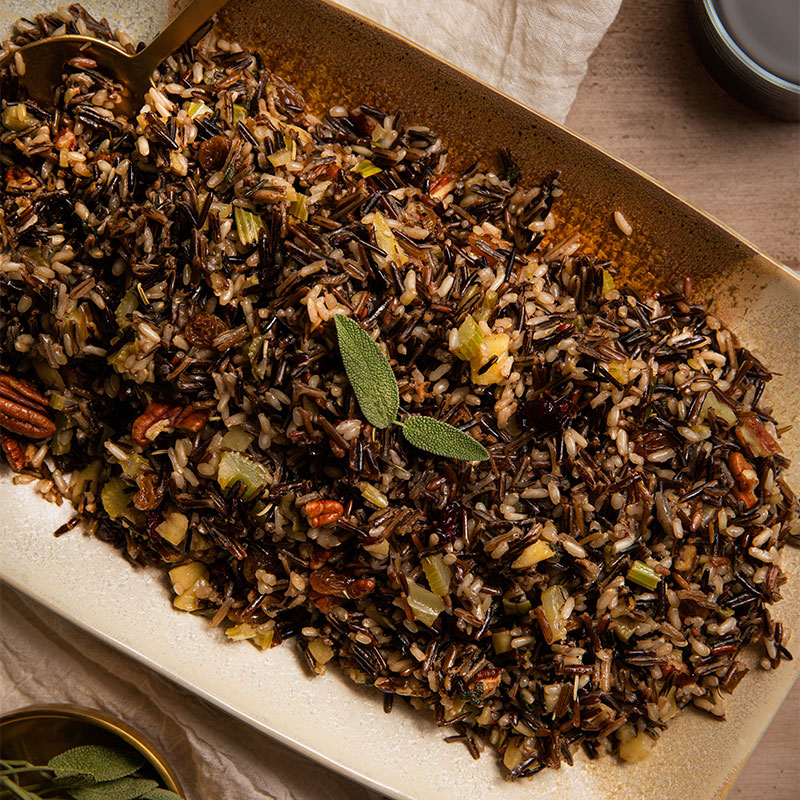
647 99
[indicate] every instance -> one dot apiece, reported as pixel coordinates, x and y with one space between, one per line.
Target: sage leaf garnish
441 439
369 372
120 789
100 763
160 794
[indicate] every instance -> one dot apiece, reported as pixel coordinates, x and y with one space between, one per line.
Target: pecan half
15 451
158 417
746 478
23 409
756 439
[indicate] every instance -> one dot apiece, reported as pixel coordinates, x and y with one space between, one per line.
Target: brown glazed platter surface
335 57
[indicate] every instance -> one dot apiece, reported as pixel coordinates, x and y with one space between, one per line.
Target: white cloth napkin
534 50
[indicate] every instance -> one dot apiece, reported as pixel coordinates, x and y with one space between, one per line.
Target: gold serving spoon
45 59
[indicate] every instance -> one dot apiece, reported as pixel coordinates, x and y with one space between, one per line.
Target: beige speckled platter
334 56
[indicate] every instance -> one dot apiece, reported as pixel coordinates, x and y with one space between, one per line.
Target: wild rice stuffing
170 367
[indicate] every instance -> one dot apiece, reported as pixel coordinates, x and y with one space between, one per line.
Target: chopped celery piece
533 554
298 208
116 500
438 574
643 575
513 755
280 157
239 113
367 168
128 304
195 110
426 605
133 465
501 641
516 606
58 401
246 632
553 600
86 481
248 225
256 352
608 282
468 339
487 306
237 438
234 467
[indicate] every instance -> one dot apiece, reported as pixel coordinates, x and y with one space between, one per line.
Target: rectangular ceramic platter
334 56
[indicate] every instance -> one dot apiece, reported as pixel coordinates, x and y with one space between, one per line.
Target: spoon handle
175 34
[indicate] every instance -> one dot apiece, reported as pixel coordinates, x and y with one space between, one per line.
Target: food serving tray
333 56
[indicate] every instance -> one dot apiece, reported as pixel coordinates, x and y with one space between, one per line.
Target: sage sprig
378 395
89 772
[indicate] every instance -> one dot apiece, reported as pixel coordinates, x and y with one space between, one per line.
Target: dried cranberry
450 521
547 412
154 519
363 123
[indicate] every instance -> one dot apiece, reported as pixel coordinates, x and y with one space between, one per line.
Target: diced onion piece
234 467
322 652
623 628
378 550
608 282
513 755
299 208
280 157
174 527
533 554
467 340
248 225
185 579
426 605
237 438
553 599
373 495
196 110
384 238
438 574
637 748
643 575
619 370
722 411
494 346
501 641
239 113
128 304
367 168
